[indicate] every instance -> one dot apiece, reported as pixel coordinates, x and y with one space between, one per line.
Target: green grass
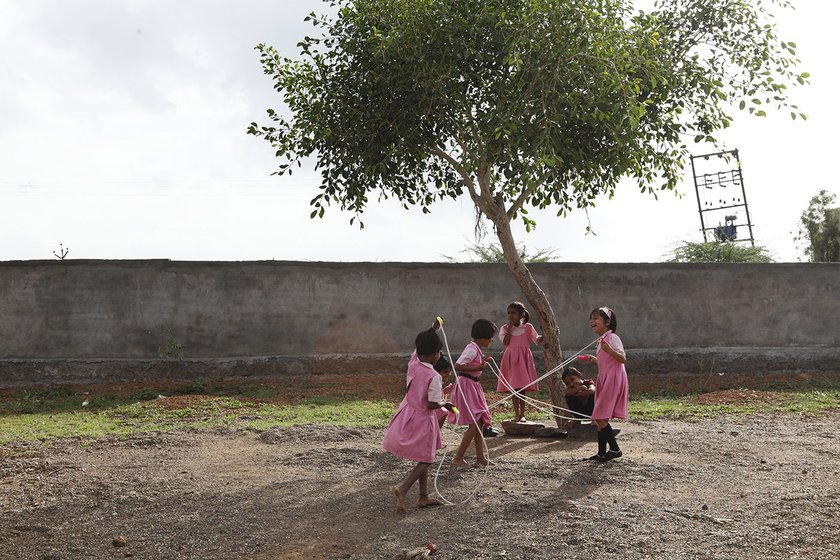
46 414
154 416
325 412
653 407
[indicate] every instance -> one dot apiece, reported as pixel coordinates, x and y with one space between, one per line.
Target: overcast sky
122 136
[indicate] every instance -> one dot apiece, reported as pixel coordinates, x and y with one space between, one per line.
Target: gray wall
66 320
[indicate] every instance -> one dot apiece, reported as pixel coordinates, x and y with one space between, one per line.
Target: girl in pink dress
414 432
468 394
518 367
611 386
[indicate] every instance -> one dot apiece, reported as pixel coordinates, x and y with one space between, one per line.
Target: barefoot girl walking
468 394
414 432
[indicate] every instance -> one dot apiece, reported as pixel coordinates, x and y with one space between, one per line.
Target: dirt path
748 487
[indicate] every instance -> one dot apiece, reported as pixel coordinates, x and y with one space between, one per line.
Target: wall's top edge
77 262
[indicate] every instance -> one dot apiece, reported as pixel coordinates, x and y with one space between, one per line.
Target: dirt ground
745 487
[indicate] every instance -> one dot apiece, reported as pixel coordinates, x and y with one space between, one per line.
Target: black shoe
613 454
489 431
597 457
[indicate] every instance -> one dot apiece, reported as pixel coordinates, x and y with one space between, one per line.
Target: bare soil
745 487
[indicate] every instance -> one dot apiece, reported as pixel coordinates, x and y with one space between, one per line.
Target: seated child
580 393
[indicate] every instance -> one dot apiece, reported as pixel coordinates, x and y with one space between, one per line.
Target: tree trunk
540 304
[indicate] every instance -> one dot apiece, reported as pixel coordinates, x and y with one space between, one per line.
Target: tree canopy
537 102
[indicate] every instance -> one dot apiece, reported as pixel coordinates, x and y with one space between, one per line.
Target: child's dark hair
570 372
483 328
608 315
520 308
428 343
442 365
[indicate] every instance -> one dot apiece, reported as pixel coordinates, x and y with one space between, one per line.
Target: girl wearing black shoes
611 385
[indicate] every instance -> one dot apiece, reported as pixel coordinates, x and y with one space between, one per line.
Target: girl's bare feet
426 501
400 499
484 462
461 464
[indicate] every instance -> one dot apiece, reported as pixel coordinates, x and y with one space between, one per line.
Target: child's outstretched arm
446 405
465 368
535 337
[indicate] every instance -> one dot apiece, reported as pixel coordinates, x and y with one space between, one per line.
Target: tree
519 104
719 252
819 227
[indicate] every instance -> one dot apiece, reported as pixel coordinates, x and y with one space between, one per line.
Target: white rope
548 408
457 387
551 371
519 393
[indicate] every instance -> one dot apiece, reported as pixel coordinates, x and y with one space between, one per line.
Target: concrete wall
86 320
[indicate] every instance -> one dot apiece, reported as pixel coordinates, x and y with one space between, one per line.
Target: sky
123 136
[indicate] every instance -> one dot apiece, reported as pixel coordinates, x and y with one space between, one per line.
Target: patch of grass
34 399
144 394
209 412
49 413
652 407
347 413
191 388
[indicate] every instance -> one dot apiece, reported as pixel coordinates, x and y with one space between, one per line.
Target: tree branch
465 176
522 198
492 204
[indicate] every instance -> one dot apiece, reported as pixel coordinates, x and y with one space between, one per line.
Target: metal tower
720 195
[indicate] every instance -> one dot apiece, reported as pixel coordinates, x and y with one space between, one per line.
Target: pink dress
518 367
467 393
611 386
413 432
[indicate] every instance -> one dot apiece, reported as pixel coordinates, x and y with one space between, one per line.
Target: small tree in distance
719 252
493 253
62 253
819 228
518 104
